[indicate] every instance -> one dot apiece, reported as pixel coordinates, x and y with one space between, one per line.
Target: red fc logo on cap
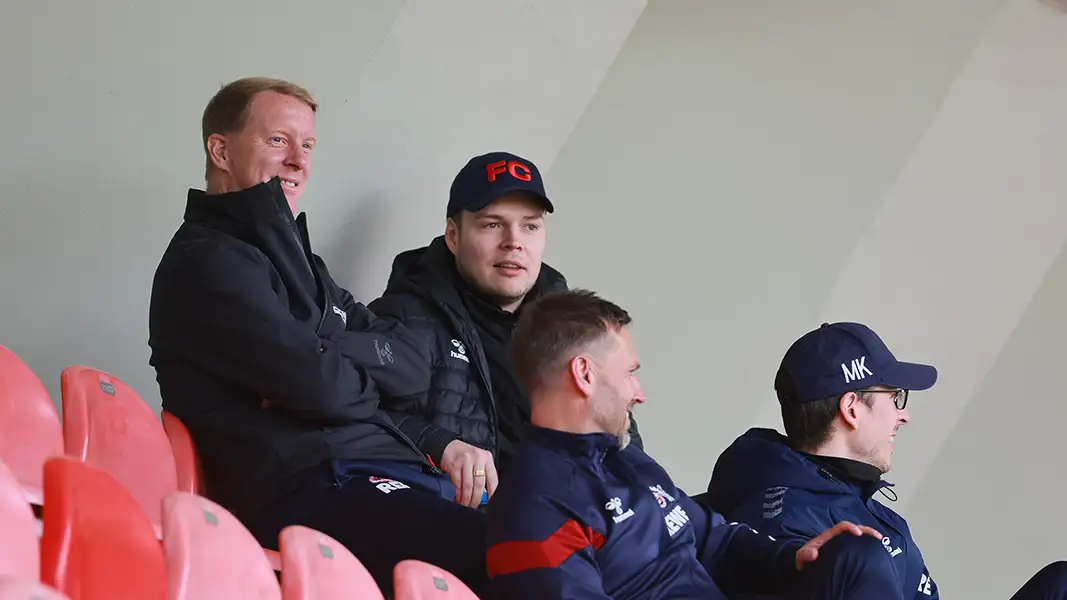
514 168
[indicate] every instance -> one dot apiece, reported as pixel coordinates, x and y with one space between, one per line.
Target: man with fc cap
843 396
463 294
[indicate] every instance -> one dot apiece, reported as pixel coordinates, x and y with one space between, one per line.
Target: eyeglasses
900 396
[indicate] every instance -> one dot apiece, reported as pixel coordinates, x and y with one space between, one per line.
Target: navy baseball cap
489 176
838 358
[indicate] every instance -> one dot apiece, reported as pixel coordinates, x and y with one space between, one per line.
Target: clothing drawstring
886 492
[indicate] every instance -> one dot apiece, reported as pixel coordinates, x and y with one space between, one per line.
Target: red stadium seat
417 580
106 424
98 543
314 565
186 459
30 432
210 555
19 550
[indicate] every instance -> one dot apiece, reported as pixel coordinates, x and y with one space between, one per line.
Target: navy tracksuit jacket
759 480
577 518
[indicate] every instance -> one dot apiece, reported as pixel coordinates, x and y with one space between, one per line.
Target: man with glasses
843 396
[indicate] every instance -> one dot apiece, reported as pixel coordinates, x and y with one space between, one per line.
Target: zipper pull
433 468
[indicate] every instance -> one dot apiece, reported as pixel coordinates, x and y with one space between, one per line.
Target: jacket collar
432 271
864 478
259 203
588 445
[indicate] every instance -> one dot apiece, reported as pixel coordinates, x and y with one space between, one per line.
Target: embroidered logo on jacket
615 504
342 314
676 519
385 352
460 352
773 502
661 496
888 543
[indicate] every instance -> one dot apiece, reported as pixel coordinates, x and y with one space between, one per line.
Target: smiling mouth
289 184
508 265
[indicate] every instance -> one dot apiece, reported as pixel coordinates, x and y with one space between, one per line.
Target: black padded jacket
427 294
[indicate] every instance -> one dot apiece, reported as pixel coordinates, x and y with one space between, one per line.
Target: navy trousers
384 512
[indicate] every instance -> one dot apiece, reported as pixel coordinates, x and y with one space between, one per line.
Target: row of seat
97 543
123 515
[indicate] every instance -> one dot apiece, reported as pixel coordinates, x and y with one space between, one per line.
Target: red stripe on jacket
522 555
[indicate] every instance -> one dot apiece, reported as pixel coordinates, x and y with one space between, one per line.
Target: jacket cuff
434 442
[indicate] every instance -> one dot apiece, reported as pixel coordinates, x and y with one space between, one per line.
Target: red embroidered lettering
514 169
494 169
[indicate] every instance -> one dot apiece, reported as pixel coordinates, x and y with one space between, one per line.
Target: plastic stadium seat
106 424
417 580
12 588
314 565
210 555
98 544
19 551
30 432
186 459
190 471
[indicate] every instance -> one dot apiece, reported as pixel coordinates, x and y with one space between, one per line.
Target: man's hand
472 471
810 551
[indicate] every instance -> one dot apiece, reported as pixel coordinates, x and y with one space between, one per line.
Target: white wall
732 171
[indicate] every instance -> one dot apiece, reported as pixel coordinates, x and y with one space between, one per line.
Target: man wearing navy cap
463 293
844 396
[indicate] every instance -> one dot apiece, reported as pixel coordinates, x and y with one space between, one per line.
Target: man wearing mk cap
462 294
844 396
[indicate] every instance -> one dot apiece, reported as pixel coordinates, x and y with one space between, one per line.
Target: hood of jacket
762 458
431 272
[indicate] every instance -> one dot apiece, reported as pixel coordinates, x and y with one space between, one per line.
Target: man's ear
848 409
452 233
583 374
218 151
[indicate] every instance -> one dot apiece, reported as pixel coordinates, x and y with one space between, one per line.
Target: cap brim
912 376
488 199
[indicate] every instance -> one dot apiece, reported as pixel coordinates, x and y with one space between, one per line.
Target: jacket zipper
479 367
305 248
491 397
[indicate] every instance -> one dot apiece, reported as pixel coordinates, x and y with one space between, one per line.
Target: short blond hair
227 111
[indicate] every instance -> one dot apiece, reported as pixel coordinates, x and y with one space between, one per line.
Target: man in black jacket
277 371
463 294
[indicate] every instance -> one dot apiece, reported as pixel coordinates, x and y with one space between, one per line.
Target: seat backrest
106 424
97 542
417 580
314 565
16 588
19 551
30 432
210 555
186 459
